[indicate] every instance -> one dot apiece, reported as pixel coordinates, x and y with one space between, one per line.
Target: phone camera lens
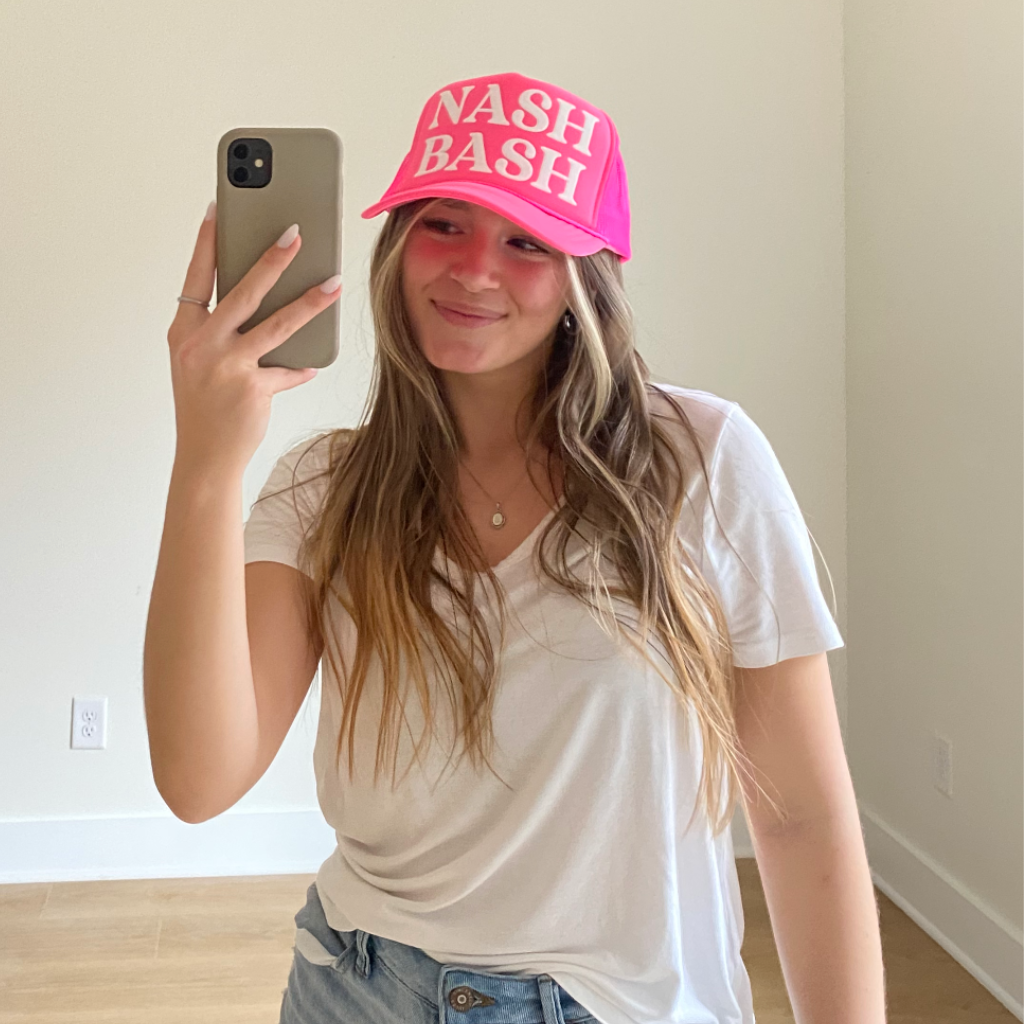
248 162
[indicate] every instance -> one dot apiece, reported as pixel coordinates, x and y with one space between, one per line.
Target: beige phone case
304 188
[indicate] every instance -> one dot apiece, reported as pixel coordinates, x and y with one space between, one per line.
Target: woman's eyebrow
459 204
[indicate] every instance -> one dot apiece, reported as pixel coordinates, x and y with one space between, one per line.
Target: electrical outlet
942 764
89 723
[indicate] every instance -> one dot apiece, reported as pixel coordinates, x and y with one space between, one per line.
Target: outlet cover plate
89 723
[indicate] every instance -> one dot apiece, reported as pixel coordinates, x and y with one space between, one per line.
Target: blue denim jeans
354 977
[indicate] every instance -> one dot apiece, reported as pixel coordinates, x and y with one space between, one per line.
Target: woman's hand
221 395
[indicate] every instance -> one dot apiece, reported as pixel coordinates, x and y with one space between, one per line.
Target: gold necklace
499 519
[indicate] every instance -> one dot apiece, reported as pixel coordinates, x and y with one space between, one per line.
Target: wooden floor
218 951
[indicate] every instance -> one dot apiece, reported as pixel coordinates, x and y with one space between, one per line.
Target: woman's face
461 256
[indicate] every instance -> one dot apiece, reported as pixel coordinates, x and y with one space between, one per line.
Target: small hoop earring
569 322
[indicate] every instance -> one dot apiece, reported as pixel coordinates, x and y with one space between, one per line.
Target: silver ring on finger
198 302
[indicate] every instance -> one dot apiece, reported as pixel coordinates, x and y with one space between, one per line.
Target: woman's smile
453 316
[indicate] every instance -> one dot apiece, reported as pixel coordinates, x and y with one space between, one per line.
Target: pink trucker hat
534 153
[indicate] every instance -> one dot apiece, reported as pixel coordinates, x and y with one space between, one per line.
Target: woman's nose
475 263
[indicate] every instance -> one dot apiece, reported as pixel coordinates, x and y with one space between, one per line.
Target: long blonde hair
391 501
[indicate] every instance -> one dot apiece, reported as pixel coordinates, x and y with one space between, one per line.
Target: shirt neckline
524 548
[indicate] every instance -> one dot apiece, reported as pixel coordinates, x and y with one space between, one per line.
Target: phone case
304 188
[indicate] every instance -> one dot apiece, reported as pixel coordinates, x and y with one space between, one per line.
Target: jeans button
465 998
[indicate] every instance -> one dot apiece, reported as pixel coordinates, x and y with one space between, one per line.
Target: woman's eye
436 224
534 247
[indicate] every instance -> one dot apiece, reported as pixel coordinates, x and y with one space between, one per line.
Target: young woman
564 611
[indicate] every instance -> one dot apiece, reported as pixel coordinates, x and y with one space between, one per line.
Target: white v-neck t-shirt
574 861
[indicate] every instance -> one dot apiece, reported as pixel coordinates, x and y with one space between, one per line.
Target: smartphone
267 180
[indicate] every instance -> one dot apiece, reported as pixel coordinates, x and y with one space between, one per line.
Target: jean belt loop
363 956
550 1004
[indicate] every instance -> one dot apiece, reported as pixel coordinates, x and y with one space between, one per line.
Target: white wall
934 443
732 124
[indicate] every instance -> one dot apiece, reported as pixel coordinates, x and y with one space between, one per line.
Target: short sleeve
768 586
282 514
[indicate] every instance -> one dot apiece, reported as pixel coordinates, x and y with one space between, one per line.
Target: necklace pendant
498 519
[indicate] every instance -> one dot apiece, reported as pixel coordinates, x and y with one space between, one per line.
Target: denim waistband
455 989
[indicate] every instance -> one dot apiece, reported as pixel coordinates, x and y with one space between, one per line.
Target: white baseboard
977 936
162 846
984 942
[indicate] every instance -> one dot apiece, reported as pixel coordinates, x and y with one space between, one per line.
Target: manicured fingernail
211 210
331 284
288 237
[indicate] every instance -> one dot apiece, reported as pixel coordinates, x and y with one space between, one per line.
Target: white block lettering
526 102
430 151
547 170
521 160
562 122
492 104
474 151
447 100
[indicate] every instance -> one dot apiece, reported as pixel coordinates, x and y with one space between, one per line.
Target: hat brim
546 226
